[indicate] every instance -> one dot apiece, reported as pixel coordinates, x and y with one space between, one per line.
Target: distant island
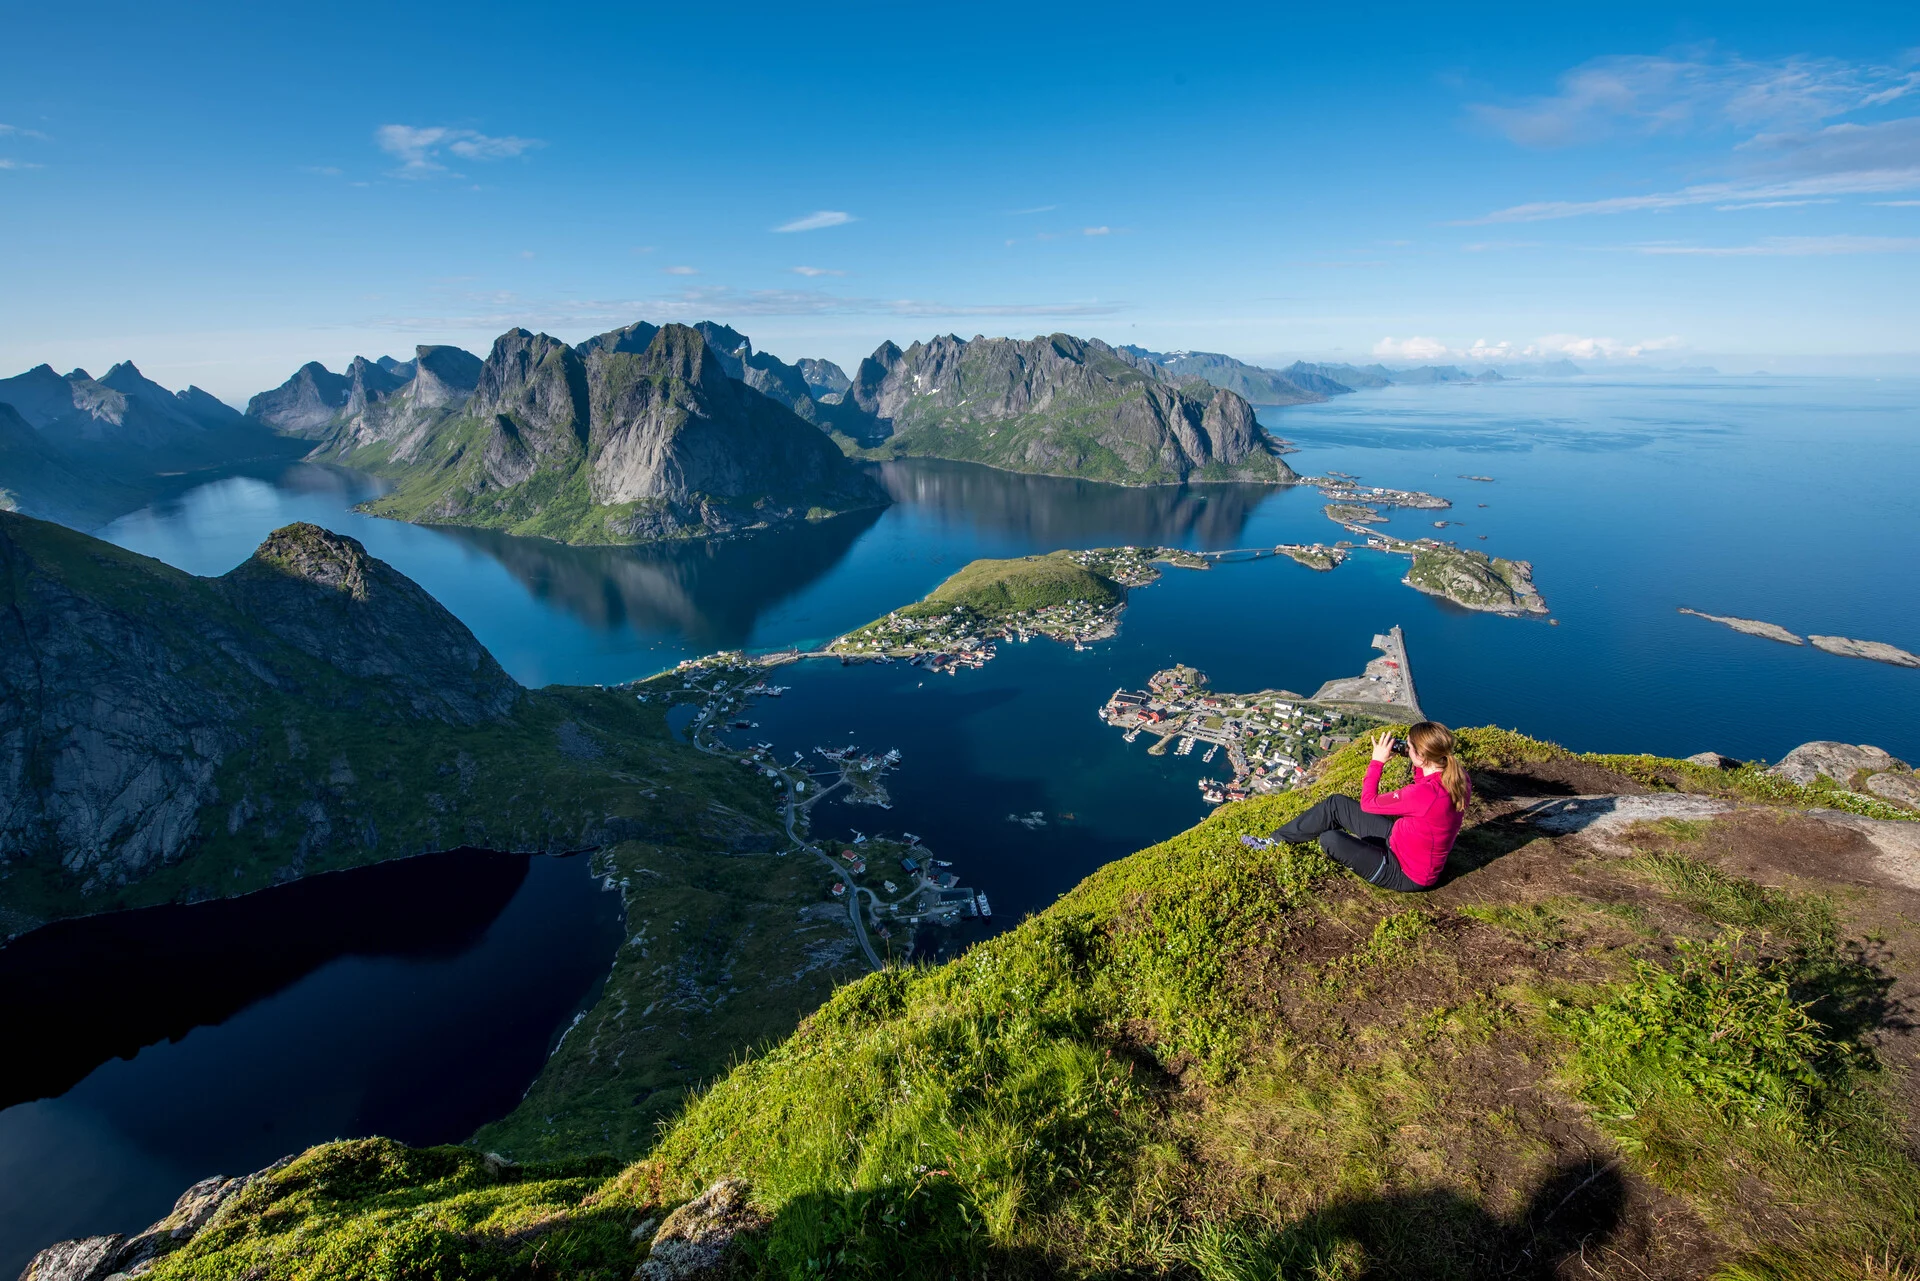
1844 646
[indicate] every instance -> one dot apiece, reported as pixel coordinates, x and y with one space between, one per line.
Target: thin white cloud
1777 204
820 218
681 271
816 271
6 163
1852 183
1681 93
1015 213
1096 231
418 148
15 131
1790 247
1896 204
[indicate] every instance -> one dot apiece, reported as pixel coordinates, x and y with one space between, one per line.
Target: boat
1211 751
981 901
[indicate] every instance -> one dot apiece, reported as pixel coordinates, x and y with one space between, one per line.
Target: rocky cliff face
1060 405
640 433
125 685
623 446
164 736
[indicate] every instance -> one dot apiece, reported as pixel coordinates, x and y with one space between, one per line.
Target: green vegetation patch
998 587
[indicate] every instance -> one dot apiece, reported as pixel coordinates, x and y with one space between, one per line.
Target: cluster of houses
1270 738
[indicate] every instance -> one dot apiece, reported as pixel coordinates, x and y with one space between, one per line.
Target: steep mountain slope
40 480
164 736
823 377
620 446
379 409
1257 385
1651 1026
1060 406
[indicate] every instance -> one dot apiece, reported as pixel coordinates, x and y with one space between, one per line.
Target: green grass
1000 587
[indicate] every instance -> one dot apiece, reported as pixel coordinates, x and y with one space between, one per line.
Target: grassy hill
1652 1035
994 587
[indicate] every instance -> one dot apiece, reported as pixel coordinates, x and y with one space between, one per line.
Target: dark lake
1791 500
151 1049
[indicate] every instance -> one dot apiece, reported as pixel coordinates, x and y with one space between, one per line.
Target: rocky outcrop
1877 651
323 594
699 1241
1059 405
1841 762
823 377
117 1256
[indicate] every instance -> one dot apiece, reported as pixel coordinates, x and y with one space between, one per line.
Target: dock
1385 688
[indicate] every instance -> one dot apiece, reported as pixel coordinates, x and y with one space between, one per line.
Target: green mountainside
1056 405
1640 1035
165 737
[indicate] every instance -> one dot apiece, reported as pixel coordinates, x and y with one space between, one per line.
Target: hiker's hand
1383 745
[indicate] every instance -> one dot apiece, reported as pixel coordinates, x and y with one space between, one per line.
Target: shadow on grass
933 1230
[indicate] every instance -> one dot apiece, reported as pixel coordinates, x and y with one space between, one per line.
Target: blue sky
222 192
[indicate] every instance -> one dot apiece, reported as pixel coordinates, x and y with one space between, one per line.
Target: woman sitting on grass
1397 840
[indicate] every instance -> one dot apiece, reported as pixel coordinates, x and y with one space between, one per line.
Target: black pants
1354 838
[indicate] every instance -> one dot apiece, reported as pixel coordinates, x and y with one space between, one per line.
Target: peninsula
1271 738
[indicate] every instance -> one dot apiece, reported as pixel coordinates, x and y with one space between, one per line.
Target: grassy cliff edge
1664 1046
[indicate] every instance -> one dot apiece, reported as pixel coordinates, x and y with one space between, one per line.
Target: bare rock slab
1878 651
1838 761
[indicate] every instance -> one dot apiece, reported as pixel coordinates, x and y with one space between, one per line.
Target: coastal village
1270 738
890 885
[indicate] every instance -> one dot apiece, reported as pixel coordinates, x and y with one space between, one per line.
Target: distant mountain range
648 432
82 450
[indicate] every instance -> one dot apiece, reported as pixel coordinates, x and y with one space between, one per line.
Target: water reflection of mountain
708 593
1051 511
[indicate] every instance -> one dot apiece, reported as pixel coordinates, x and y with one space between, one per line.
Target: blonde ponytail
1434 742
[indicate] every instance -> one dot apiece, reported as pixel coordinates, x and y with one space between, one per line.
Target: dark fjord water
151 1049
1792 500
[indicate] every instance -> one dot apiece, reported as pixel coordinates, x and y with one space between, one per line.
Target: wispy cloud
1895 204
816 271
419 148
325 171
1777 204
1096 231
1797 160
6 163
681 271
1653 94
818 219
15 131
1790 247
1015 213
1850 183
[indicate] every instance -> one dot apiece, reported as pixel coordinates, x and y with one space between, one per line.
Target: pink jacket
1427 826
